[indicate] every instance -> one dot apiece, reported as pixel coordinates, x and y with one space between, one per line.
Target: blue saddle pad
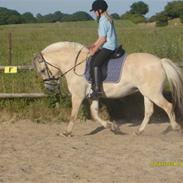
113 69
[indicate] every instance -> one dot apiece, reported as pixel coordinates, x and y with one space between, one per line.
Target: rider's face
97 13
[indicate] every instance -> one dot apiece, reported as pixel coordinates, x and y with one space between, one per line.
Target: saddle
111 70
119 52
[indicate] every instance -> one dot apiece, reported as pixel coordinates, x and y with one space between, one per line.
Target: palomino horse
141 72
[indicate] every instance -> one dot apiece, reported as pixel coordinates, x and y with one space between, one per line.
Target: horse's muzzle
52 87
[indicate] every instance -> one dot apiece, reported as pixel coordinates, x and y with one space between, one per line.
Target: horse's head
48 72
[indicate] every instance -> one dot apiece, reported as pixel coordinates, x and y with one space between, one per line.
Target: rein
76 64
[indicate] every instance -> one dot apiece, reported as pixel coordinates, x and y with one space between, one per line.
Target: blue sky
71 6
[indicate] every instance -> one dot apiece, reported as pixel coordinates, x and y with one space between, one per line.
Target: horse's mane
59 45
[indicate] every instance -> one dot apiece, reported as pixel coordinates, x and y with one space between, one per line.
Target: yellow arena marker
10 69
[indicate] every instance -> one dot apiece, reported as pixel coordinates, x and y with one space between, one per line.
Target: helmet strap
98 18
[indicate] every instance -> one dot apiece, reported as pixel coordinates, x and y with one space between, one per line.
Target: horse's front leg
76 102
94 108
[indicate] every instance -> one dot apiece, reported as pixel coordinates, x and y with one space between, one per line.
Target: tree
135 18
161 19
28 18
81 16
78 16
115 16
137 12
14 19
44 18
9 16
139 8
39 18
174 9
57 16
3 16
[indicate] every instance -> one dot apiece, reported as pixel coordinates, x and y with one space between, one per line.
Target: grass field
31 38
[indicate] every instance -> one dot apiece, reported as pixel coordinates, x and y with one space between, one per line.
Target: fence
20 95
22 67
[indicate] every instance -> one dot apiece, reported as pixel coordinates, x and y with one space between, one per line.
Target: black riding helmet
99 4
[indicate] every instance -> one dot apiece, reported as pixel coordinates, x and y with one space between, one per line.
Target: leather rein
51 77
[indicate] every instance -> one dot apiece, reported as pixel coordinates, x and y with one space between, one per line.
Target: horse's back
140 61
143 68
143 58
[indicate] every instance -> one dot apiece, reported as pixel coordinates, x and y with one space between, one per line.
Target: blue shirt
106 29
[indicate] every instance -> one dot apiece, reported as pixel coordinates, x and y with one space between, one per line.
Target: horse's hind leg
149 109
94 108
160 101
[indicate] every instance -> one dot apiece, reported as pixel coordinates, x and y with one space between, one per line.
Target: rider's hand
93 49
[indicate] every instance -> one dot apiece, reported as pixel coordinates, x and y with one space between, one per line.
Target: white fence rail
22 95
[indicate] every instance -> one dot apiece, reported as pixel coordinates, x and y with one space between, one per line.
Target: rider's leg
100 58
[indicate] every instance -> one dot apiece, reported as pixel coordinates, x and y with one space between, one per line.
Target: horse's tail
175 79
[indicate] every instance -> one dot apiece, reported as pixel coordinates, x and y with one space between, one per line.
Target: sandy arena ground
34 153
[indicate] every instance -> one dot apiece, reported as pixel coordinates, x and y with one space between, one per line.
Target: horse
142 72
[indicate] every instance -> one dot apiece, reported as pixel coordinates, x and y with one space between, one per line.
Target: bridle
51 77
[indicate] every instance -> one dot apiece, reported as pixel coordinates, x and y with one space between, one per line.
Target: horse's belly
119 90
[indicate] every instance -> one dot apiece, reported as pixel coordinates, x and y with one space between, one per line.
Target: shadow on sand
130 109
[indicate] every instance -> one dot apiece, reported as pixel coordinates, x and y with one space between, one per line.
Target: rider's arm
100 41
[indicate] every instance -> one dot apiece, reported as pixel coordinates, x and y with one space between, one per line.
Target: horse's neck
73 62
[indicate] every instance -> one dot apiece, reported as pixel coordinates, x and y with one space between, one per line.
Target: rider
104 46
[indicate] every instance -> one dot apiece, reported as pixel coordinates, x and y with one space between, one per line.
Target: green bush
181 18
135 18
152 19
174 9
161 20
115 16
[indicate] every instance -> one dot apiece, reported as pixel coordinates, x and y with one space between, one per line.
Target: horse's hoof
169 129
111 126
177 128
138 133
114 128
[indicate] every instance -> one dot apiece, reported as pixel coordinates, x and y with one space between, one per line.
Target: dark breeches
99 59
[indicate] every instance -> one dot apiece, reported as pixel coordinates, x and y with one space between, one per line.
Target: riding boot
96 84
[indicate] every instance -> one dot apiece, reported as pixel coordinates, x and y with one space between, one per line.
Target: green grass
30 39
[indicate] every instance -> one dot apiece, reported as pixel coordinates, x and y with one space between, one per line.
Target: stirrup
95 95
